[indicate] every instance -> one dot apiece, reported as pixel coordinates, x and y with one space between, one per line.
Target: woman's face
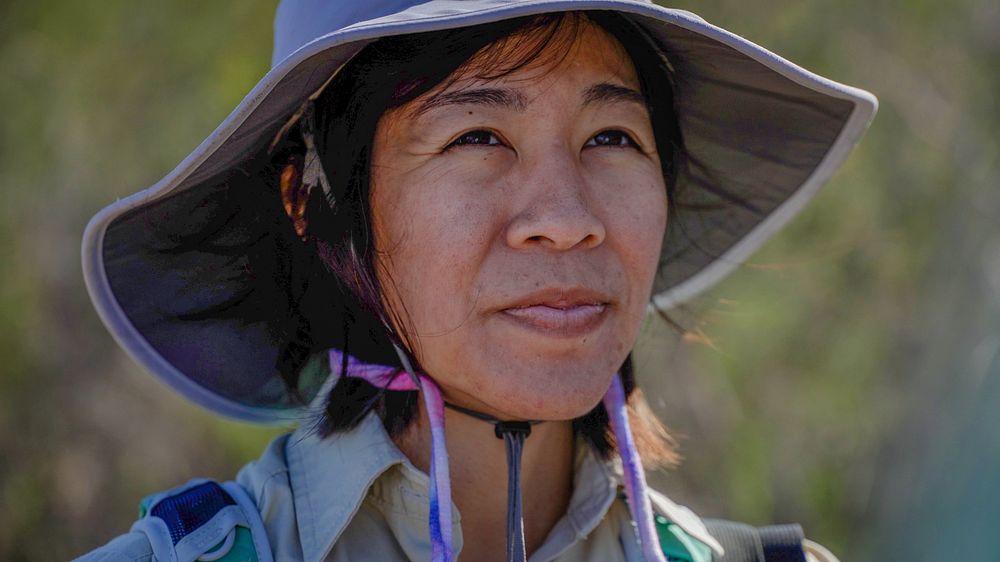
518 223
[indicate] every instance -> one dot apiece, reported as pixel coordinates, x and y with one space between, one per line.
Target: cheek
639 225
636 211
649 224
433 235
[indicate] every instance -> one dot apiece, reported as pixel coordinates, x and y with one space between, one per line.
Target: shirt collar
330 478
685 519
611 471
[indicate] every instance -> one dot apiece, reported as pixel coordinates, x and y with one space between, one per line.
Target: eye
476 137
612 137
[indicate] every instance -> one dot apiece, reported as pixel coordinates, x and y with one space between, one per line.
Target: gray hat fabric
768 131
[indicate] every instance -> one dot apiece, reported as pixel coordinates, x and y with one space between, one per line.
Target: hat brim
767 131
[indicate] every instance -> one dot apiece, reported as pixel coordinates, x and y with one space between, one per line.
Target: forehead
573 40
573 45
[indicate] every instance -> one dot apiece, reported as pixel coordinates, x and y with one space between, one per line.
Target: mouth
559 313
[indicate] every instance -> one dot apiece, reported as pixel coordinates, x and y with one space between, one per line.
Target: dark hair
325 293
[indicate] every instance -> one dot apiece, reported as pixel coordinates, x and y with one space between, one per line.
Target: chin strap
513 434
635 478
391 378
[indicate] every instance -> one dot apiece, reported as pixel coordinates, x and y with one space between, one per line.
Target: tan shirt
355 497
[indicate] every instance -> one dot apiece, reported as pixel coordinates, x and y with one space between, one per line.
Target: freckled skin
464 230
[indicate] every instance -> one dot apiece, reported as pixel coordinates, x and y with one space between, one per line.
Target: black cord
513 434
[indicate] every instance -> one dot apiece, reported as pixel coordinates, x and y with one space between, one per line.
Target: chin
561 394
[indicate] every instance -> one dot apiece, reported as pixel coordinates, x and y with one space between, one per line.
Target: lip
567 313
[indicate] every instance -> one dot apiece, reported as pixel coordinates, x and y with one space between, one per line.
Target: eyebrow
504 98
507 98
606 92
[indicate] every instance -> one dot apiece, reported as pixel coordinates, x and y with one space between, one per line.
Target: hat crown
298 22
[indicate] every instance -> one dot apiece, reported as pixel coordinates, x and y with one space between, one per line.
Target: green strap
242 549
679 546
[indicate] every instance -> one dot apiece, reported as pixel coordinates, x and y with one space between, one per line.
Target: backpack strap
204 520
745 543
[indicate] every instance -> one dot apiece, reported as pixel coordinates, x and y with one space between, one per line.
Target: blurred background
847 377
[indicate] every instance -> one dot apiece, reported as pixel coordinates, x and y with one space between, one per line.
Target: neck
478 469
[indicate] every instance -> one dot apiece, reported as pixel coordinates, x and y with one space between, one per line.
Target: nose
556 213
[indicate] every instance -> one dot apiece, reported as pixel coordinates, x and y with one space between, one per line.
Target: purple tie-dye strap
391 378
635 479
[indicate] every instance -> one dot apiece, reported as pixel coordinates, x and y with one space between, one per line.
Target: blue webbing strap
203 520
190 509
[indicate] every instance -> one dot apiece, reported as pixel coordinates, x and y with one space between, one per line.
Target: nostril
556 220
590 241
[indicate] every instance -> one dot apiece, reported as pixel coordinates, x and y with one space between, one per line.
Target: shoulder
816 552
268 481
678 521
130 547
264 481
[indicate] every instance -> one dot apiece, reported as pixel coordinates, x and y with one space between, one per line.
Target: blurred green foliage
813 385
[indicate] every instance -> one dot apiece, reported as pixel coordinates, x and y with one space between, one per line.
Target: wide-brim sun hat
767 133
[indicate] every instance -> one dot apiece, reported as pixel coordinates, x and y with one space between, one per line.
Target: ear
294 195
